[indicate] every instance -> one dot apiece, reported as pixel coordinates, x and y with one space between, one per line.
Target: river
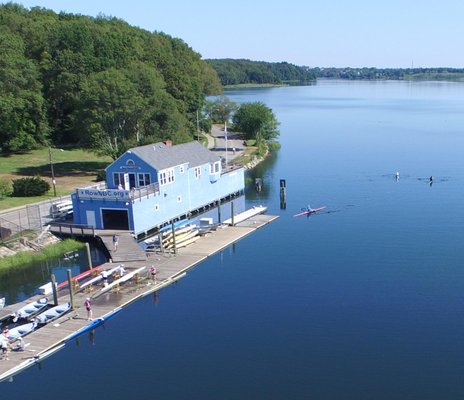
362 301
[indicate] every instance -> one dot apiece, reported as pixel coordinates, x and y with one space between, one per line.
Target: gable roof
161 156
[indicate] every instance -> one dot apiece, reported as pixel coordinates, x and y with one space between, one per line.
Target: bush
273 146
101 175
28 187
250 142
5 189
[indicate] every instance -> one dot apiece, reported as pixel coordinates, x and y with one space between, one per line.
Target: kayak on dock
31 309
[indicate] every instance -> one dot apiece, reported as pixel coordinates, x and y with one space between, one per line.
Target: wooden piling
55 294
283 194
219 212
71 289
232 212
174 238
89 258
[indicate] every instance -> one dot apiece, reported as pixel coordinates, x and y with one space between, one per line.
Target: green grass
25 259
73 168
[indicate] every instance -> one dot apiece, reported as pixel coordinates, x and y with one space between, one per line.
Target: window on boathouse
166 176
144 179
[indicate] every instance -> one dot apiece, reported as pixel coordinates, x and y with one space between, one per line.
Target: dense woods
390 73
242 72
236 72
96 82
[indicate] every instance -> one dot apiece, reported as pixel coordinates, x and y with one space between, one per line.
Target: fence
31 217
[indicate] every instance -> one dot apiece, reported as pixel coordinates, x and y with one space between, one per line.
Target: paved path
218 144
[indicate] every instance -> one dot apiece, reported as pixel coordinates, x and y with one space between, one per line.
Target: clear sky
322 33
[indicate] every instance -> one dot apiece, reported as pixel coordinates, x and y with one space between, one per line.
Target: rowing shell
309 212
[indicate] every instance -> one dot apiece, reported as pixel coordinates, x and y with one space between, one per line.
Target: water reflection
21 283
260 174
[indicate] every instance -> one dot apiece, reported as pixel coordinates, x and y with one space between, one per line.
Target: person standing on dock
4 344
153 273
88 307
115 242
104 275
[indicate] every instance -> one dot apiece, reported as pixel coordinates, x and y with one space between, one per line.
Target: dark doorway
115 219
132 181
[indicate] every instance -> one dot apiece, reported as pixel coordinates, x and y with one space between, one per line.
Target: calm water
362 302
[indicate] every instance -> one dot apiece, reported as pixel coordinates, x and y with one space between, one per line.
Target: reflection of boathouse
148 186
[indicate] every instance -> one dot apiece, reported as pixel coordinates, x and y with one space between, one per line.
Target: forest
239 71
243 72
99 83
390 73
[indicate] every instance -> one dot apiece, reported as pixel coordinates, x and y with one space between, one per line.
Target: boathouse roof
161 155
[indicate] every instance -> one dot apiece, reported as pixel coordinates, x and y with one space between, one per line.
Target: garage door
115 219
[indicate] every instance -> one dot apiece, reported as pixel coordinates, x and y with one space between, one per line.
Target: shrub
101 175
273 146
250 142
28 187
5 188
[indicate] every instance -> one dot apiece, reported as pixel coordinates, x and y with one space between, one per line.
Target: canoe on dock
53 313
21 330
31 309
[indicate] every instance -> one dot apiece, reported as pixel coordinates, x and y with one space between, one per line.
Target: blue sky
337 33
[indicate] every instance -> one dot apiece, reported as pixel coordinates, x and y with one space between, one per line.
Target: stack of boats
181 236
36 314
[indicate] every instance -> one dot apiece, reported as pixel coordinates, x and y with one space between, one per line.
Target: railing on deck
145 191
72 229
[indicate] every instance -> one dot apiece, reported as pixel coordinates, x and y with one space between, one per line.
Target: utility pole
53 171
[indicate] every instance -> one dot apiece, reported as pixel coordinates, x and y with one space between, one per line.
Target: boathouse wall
150 197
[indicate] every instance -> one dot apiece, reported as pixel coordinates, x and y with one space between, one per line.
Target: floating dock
51 338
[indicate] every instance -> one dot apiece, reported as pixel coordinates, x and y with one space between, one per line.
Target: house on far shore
150 186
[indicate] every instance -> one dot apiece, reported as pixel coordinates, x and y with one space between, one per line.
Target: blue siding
188 192
121 166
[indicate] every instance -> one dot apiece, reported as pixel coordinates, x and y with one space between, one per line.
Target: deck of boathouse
170 267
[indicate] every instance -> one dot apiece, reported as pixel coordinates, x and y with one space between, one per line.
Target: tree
23 123
109 111
221 109
256 121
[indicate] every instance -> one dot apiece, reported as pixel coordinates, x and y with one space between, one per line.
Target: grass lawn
73 168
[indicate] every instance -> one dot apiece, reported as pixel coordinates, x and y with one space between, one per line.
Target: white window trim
197 172
215 168
166 176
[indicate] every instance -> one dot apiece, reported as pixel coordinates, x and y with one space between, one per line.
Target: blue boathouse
150 186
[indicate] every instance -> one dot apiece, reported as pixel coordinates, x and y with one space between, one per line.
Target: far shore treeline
101 84
246 72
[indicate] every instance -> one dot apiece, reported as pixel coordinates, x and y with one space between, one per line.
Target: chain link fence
33 217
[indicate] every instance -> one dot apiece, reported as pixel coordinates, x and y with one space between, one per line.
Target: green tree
221 109
23 124
109 111
256 121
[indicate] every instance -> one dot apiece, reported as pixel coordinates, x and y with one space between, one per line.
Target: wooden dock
170 267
